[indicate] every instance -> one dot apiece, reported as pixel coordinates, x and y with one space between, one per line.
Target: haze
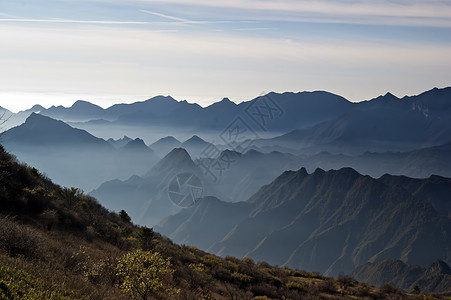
54 52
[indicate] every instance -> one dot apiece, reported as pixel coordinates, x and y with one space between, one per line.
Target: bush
327 286
295 286
242 278
144 273
389 289
16 284
18 239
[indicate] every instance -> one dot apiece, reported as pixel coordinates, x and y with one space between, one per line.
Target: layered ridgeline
330 222
58 243
306 122
384 123
238 177
73 156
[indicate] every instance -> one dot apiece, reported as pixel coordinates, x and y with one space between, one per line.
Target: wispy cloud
172 18
378 12
187 21
72 21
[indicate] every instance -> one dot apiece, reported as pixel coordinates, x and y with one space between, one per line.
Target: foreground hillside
57 243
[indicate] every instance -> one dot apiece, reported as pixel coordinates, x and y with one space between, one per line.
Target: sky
54 52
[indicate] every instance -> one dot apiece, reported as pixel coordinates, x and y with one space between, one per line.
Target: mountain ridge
296 219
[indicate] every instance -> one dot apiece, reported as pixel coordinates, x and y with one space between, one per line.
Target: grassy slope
57 243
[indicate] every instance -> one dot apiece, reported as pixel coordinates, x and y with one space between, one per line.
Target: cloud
206 66
166 16
73 21
366 12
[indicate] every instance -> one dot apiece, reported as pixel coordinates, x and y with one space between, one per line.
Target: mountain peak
36 108
390 95
37 118
85 104
195 139
178 153
439 267
136 144
177 159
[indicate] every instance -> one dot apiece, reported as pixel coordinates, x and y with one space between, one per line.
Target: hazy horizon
55 52
67 100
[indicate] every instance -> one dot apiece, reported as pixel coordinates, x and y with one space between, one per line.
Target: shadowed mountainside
436 278
298 218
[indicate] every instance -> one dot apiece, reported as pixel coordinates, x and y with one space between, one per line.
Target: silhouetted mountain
119 142
419 163
164 145
146 198
41 131
384 123
137 145
298 218
195 146
433 279
79 111
242 176
73 156
316 121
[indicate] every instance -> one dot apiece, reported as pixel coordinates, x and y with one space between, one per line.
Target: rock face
329 222
433 279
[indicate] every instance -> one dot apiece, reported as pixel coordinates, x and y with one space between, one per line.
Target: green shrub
144 273
242 278
17 284
291 285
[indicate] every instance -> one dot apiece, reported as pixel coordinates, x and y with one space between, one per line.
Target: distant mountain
436 278
298 218
137 145
420 163
73 156
119 142
382 124
164 145
41 131
79 111
288 111
233 177
146 198
307 122
196 146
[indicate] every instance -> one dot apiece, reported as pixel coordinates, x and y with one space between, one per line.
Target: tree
70 195
124 216
145 273
146 237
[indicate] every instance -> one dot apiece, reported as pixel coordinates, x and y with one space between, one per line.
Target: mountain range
305 122
307 180
330 222
73 156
